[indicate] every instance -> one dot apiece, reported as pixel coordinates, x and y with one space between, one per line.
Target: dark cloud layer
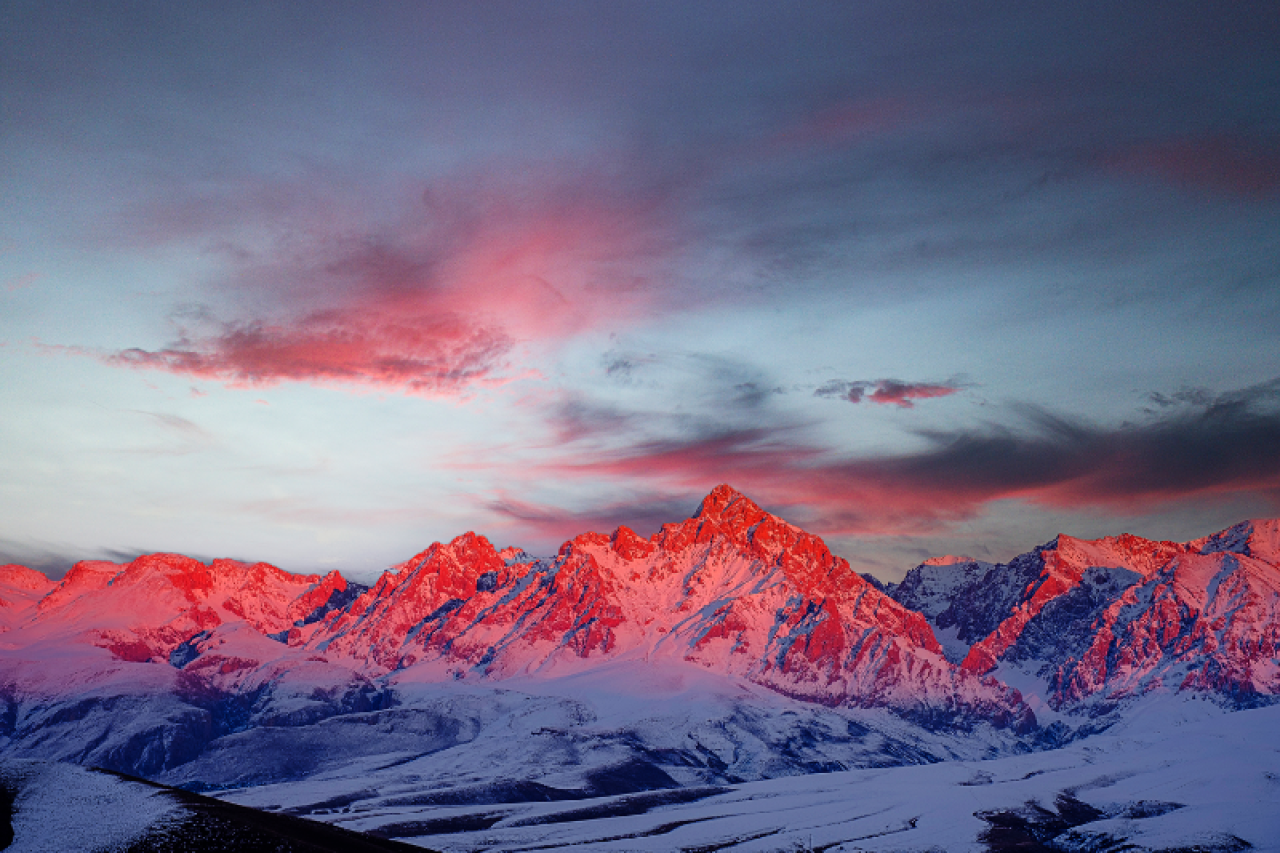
1224 445
54 563
1222 162
644 515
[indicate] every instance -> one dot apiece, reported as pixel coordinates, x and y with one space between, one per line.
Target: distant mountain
728 646
733 589
1102 620
144 610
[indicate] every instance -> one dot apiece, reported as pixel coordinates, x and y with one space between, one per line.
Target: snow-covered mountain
1102 620
145 609
728 647
732 589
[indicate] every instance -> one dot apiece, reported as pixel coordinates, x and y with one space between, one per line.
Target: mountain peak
1258 537
721 499
22 577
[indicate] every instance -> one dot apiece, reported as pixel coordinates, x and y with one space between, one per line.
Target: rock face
159 663
733 589
1105 619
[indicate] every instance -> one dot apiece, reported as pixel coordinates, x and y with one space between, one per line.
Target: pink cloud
22 282
779 472
555 524
1228 446
843 123
1217 162
886 391
435 302
418 355
904 393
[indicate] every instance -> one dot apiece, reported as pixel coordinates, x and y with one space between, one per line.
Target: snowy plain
1179 774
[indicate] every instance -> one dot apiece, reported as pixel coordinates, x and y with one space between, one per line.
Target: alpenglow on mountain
728 647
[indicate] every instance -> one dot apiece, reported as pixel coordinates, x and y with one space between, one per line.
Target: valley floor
1171 779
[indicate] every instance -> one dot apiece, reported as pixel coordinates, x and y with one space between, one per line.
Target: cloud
1225 445
178 424
545 202
51 561
1231 446
435 300
1194 396
727 391
178 436
54 561
290 511
22 282
551 523
754 395
416 355
1249 167
886 391
622 367
745 453
843 123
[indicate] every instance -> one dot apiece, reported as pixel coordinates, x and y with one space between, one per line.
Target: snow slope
61 808
1191 777
627 728
1209 784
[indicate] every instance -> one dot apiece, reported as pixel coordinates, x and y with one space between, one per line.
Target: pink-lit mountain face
732 589
146 667
144 610
1119 616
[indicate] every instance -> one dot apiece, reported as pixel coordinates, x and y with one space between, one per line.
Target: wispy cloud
21 282
552 523
886 391
178 436
54 561
1220 162
434 301
337 347
1209 447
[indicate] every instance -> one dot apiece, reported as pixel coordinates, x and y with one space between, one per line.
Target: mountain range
726 648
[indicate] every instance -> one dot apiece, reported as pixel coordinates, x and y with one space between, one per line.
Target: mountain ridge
732 588
147 666
1121 614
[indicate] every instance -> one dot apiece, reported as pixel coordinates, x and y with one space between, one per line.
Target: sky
322 283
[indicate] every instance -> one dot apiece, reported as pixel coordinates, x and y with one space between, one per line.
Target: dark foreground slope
62 807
